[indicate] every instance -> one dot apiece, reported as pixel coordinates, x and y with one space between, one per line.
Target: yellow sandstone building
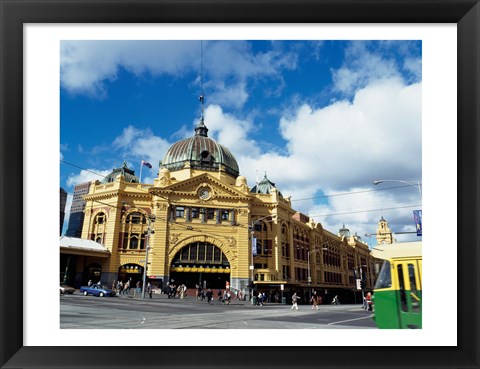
204 226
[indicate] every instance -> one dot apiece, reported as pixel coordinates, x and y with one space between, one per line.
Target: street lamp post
410 183
308 269
361 278
147 247
252 225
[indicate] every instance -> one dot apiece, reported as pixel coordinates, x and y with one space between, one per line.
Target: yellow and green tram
398 291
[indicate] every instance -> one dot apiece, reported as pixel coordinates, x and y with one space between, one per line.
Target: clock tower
384 233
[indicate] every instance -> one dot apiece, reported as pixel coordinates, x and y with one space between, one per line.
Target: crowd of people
227 295
224 296
176 292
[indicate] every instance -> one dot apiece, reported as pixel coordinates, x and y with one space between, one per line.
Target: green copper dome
265 186
200 152
127 173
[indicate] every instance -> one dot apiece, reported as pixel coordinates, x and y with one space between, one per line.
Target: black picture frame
15 13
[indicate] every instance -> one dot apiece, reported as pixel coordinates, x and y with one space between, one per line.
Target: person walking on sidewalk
295 299
369 301
149 289
314 300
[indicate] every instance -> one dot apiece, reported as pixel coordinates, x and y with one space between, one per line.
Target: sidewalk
190 298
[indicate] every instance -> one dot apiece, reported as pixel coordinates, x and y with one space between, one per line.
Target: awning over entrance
199 270
79 246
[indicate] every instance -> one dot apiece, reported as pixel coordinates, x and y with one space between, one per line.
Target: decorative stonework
164 181
164 177
173 238
232 242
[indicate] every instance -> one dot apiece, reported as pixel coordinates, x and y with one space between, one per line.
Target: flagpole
141 167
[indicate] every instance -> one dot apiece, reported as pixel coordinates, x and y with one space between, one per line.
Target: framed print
29 337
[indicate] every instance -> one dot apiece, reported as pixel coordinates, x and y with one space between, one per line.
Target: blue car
96 290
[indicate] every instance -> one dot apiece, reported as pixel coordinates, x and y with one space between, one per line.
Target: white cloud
379 132
343 148
229 131
414 66
86 66
362 67
87 175
140 145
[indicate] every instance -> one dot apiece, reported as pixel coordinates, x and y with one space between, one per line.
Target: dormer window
205 157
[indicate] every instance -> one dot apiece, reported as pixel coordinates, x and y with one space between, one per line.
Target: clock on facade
204 193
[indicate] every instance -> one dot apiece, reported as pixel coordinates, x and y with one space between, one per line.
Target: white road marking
348 320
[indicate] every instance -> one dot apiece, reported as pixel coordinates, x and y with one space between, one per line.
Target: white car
66 289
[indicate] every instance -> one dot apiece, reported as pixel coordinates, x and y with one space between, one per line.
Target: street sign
282 287
359 284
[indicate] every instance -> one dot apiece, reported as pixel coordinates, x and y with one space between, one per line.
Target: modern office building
201 224
75 222
63 202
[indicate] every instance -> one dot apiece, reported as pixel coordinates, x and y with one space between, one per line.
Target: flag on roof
146 164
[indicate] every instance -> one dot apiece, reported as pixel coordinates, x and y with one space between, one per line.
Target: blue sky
323 119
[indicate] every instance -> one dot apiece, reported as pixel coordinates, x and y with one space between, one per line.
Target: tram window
401 282
384 279
415 298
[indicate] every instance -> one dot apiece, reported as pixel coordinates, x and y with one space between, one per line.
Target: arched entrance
131 272
200 263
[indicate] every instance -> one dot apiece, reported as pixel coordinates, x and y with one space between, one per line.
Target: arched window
134 230
264 243
200 253
99 228
136 218
285 241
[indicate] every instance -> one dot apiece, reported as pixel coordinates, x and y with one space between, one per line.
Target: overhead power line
353 193
364 211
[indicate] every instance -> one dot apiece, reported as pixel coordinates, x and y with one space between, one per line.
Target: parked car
66 289
96 290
